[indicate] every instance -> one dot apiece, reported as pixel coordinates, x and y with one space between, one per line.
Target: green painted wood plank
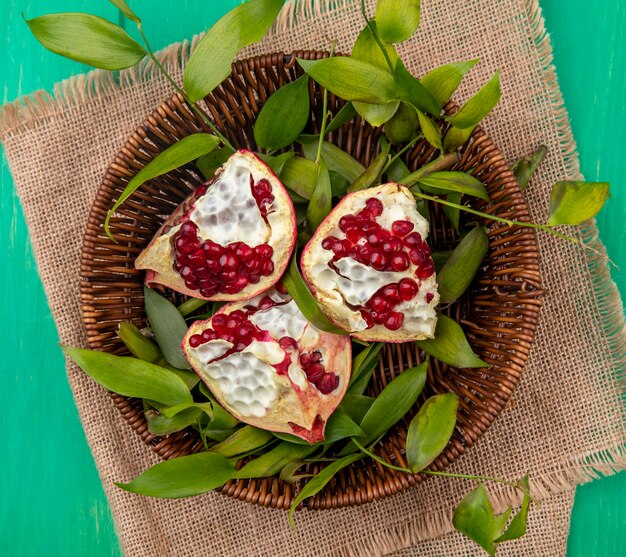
50 493
589 51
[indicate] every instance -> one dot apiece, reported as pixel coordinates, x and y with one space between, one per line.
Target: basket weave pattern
499 313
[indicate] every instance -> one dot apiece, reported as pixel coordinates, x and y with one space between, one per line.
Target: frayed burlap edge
27 113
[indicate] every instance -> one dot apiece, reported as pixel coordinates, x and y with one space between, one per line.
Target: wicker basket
499 314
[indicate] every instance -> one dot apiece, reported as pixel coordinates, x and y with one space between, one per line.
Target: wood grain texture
51 500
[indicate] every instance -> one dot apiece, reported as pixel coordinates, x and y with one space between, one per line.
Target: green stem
444 162
376 38
182 93
401 152
471 477
508 222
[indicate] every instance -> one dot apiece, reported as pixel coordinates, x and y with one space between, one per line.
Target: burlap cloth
566 422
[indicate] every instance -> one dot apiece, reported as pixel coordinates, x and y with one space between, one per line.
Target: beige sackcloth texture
566 422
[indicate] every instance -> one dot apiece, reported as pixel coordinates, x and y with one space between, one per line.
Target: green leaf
403 127
524 168
471 113
276 162
209 163
87 39
450 345
288 473
366 48
337 160
364 362
321 199
131 377
517 528
139 345
356 406
158 424
576 202
397 19
125 9
338 184
168 326
452 180
478 106
284 115
501 520
474 517
319 481
211 59
298 174
397 171
453 214
410 89
299 291
352 79
395 400
430 430
182 152
376 114
273 461
443 81
244 440
372 173
440 258
221 419
459 271
346 113
185 476
431 131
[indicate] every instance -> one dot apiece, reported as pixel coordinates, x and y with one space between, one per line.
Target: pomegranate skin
380 285
242 266
269 367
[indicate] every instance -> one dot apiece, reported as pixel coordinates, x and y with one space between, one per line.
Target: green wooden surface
51 500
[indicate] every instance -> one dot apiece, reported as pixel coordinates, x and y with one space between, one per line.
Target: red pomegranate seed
208 334
417 256
394 320
287 342
212 250
408 289
316 357
243 251
345 222
329 242
391 293
400 262
305 360
378 318
280 287
229 262
229 276
378 261
374 206
195 341
402 227
314 372
252 264
339 249
264 251
241 283
218 320
268 268
328 383
377 237
254 278
266 303
365 254
429 297
263 187
379 304
413 240
354 234
188 228
426 270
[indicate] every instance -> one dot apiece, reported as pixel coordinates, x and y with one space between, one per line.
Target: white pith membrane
354 283
248 383
227 213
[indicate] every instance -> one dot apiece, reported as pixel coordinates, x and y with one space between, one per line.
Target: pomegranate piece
229 240
269 367
370 269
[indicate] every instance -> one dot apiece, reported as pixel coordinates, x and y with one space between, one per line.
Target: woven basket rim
173 118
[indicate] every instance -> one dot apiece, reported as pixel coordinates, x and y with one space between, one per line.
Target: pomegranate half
269 367
229 240
370 269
